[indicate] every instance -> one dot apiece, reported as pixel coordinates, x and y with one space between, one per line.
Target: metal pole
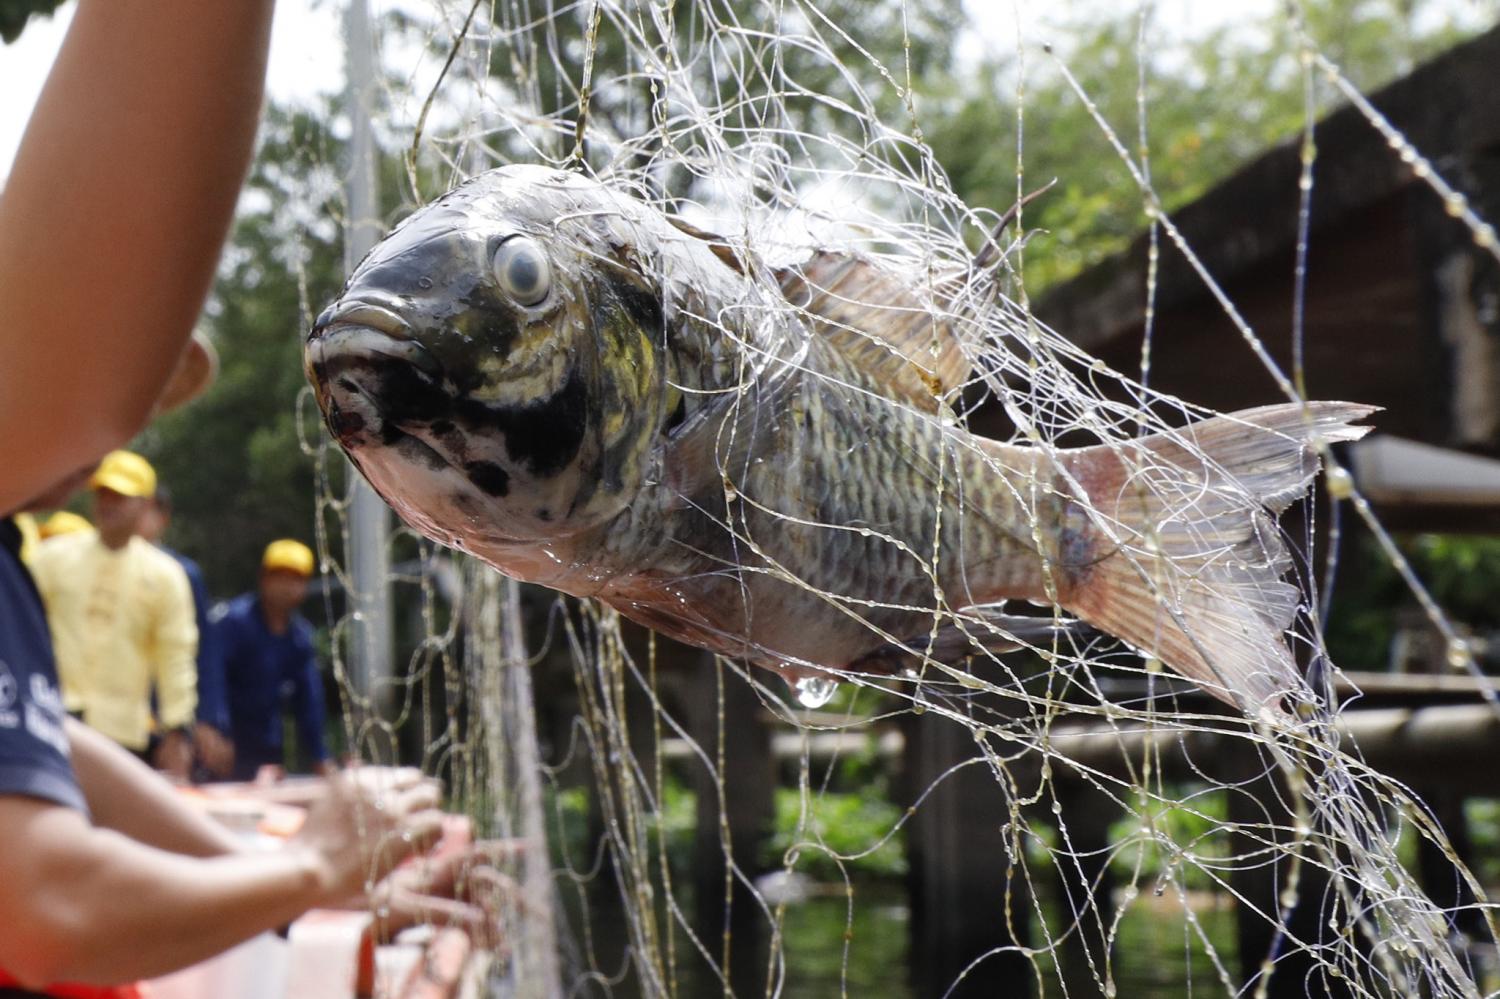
369 518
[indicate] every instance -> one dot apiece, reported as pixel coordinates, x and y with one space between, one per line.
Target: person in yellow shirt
121 615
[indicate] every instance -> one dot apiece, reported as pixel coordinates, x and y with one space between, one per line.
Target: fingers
421 797
494 851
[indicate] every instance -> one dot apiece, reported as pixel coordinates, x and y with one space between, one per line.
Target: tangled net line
750 120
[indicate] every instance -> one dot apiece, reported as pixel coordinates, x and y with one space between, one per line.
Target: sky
307 50
306 58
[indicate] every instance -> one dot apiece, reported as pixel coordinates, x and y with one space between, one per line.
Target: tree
1211 104
15 13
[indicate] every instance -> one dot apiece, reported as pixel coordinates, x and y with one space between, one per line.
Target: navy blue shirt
213 708
34 758
264 675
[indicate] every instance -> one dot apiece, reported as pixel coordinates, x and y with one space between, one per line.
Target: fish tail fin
1180 555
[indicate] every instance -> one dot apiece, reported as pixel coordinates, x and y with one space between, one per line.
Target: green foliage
1212 103
1192 825
848 824
15 13
1461 571
1483 815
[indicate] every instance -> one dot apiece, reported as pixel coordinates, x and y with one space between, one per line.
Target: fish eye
523 272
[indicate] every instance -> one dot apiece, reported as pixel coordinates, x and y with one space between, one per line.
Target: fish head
496 366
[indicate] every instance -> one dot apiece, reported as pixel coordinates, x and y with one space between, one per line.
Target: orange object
131 991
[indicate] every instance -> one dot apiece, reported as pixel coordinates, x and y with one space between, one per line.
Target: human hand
368 821
462 889
214 751
174 755
269 773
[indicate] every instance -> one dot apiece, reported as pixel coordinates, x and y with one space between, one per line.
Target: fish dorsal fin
876 317
720 246
870 314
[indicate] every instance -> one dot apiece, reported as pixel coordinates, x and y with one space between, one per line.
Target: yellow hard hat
64 522
293 556
126 473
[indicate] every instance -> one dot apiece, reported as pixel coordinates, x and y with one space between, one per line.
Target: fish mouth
374 383
368 313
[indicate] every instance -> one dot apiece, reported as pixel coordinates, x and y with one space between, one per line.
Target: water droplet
1340 483
815 691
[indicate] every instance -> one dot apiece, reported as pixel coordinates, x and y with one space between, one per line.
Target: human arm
87 904
175 669
211 734
112 219
308 704
124 794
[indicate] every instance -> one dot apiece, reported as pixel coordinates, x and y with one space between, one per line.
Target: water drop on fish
1340 483
815 691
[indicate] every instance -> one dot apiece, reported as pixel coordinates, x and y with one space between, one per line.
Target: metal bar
369 518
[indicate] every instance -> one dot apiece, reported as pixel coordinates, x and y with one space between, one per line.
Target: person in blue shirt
111 220
270 667
211 736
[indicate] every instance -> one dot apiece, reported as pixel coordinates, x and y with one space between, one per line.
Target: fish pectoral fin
979 630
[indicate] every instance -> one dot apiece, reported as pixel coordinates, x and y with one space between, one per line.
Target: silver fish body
583 392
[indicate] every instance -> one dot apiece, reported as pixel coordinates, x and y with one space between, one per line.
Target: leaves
15 13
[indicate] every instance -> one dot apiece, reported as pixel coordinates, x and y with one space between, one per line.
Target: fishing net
1100 823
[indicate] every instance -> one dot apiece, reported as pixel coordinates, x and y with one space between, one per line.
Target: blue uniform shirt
33 745
265 674
213 708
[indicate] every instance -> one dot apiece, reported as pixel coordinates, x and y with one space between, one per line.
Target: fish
764 461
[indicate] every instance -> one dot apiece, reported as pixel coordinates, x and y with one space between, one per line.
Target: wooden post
1086 885
960 870
1440 879
1258 799
736 810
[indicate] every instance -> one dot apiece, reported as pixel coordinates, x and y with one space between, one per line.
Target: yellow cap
290 555
64 522
126 473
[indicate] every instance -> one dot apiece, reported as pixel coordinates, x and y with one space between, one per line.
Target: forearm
120 911
177 691
140 139
126 796
85 904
